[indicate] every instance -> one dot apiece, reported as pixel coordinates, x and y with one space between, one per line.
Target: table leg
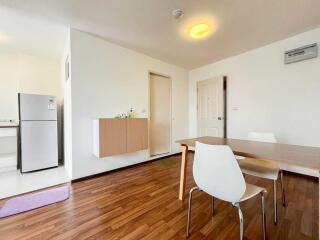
183 172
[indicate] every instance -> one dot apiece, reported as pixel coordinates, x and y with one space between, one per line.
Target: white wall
269 95
106 80
67 107
9 85
25 73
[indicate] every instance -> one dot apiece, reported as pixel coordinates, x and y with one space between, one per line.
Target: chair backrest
216 172
262 137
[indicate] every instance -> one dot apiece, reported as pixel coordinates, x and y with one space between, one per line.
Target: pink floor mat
32 201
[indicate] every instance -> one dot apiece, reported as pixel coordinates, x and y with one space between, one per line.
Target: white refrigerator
38 132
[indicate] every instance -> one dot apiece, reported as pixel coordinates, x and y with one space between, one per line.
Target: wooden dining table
301 159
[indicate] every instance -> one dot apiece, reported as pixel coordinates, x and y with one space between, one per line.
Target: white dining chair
216 172
263 168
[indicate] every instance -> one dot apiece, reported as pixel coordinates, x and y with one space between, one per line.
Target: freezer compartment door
37 107
39 145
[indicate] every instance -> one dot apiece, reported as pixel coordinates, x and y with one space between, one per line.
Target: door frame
224 77
149 109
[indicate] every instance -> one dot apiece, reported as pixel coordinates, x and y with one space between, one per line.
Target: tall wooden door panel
160 114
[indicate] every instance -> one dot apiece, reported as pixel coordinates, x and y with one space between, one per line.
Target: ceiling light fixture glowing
199 31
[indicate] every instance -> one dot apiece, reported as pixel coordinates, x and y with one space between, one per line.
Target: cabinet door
112 137
137 134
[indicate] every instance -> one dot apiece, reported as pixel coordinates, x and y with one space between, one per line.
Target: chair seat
251 191
259 168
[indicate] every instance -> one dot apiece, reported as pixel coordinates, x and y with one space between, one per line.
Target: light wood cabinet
118 136
112 138
137 134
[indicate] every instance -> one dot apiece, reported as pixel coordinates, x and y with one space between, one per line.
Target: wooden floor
142 203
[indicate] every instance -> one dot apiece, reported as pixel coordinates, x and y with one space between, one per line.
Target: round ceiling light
199 31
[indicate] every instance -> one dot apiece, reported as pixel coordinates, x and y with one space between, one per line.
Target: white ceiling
20 31
148 26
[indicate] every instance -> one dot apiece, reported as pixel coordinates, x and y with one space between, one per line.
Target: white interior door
210 107
160 114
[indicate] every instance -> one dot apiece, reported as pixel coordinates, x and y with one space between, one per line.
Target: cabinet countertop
9 125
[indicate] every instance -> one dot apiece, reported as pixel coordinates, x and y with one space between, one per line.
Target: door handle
219 118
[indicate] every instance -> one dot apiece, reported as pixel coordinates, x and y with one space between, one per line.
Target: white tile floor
14 183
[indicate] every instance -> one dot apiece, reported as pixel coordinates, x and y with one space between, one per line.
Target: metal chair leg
189 210
275 200
282 189
212 205
264 228
240 219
